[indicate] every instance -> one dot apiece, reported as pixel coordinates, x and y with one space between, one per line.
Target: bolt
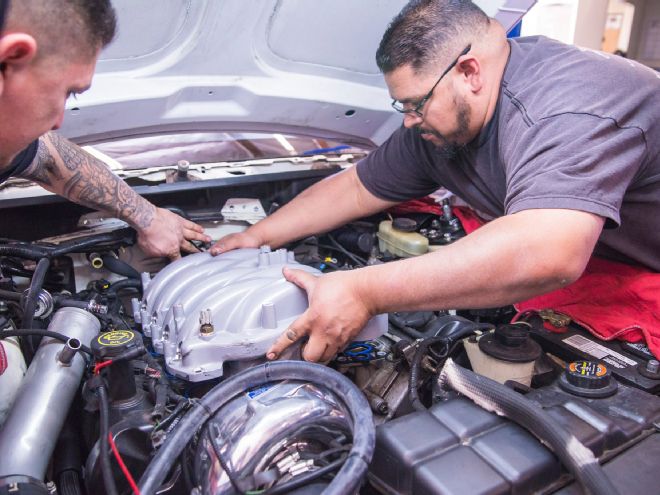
653 366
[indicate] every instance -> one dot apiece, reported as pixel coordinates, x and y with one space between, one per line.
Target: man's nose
411 120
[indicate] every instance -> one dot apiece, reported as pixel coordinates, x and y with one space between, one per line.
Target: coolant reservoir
399 240
506 354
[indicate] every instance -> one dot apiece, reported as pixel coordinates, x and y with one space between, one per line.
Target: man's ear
17 50
470 70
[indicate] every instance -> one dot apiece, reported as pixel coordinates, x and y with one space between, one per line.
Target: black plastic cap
511 343
404 224
112 344
588 379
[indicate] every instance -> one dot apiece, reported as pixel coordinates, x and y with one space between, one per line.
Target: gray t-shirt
573 129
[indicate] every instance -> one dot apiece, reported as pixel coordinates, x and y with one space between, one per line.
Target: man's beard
449 147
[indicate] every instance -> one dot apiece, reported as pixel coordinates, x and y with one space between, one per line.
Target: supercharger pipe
29 434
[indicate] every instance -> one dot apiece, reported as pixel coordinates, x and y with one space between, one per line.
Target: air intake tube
29 434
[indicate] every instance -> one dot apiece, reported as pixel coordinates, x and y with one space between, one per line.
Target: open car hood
288 66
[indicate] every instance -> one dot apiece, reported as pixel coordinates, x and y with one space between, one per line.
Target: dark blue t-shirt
21 162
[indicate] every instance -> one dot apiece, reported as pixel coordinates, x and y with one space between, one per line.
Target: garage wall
645 38
578 22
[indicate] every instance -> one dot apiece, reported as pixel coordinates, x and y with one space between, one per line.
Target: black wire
177 410
223 463
357 259
104 450
415 366
43 333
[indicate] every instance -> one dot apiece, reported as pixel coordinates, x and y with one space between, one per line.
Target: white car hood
290 66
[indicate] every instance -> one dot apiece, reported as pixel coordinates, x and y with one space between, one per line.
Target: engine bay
123 374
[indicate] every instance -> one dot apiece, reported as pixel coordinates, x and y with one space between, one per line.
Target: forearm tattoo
64 168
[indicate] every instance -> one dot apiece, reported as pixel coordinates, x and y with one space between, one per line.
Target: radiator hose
497 398
350 475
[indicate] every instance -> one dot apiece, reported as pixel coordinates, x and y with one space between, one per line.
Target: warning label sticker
599 351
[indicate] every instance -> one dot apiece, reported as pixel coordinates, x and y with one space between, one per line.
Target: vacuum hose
497 398
350 475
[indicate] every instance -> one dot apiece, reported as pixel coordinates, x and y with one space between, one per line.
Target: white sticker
599 351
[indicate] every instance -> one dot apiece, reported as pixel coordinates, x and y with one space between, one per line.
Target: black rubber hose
36 285
42 333
400 325
415 369
416 363
79 245
69 483
10 295
65 302
351 473
34 253
118 266
495 397
126 283
104 445
67 463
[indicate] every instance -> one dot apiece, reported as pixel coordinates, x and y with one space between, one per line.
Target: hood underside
289 66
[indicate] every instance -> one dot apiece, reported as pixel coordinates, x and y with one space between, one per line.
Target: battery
576 343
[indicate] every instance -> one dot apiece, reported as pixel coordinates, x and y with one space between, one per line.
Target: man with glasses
559 146
48 50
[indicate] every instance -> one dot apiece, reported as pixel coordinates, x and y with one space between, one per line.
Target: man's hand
168 234
234 241
335 315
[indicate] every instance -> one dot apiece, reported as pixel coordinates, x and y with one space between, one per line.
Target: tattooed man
48 51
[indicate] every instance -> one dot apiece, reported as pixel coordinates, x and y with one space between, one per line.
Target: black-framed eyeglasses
417 109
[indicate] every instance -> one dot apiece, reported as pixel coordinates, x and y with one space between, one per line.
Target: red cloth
422 205
469 219
612 301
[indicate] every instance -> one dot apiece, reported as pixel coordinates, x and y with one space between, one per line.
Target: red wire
99 366
123 467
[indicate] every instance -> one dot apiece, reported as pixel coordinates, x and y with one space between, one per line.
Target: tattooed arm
65 169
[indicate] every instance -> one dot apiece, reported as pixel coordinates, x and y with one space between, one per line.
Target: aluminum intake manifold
203 311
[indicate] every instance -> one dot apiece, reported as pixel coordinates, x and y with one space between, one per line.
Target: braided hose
497 398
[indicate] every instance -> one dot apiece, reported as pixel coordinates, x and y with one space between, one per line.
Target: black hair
427 31
72 27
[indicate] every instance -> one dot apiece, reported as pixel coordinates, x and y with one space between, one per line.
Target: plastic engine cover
456 447
204 311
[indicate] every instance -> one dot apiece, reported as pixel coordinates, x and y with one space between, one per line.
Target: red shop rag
611 300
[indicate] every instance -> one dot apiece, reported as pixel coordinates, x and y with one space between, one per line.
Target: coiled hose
350 475
497 398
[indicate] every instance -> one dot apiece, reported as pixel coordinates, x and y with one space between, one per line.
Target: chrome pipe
43 401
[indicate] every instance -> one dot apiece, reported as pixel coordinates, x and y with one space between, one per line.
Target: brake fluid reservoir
399 240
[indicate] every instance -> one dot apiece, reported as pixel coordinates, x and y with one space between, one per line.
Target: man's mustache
427 132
